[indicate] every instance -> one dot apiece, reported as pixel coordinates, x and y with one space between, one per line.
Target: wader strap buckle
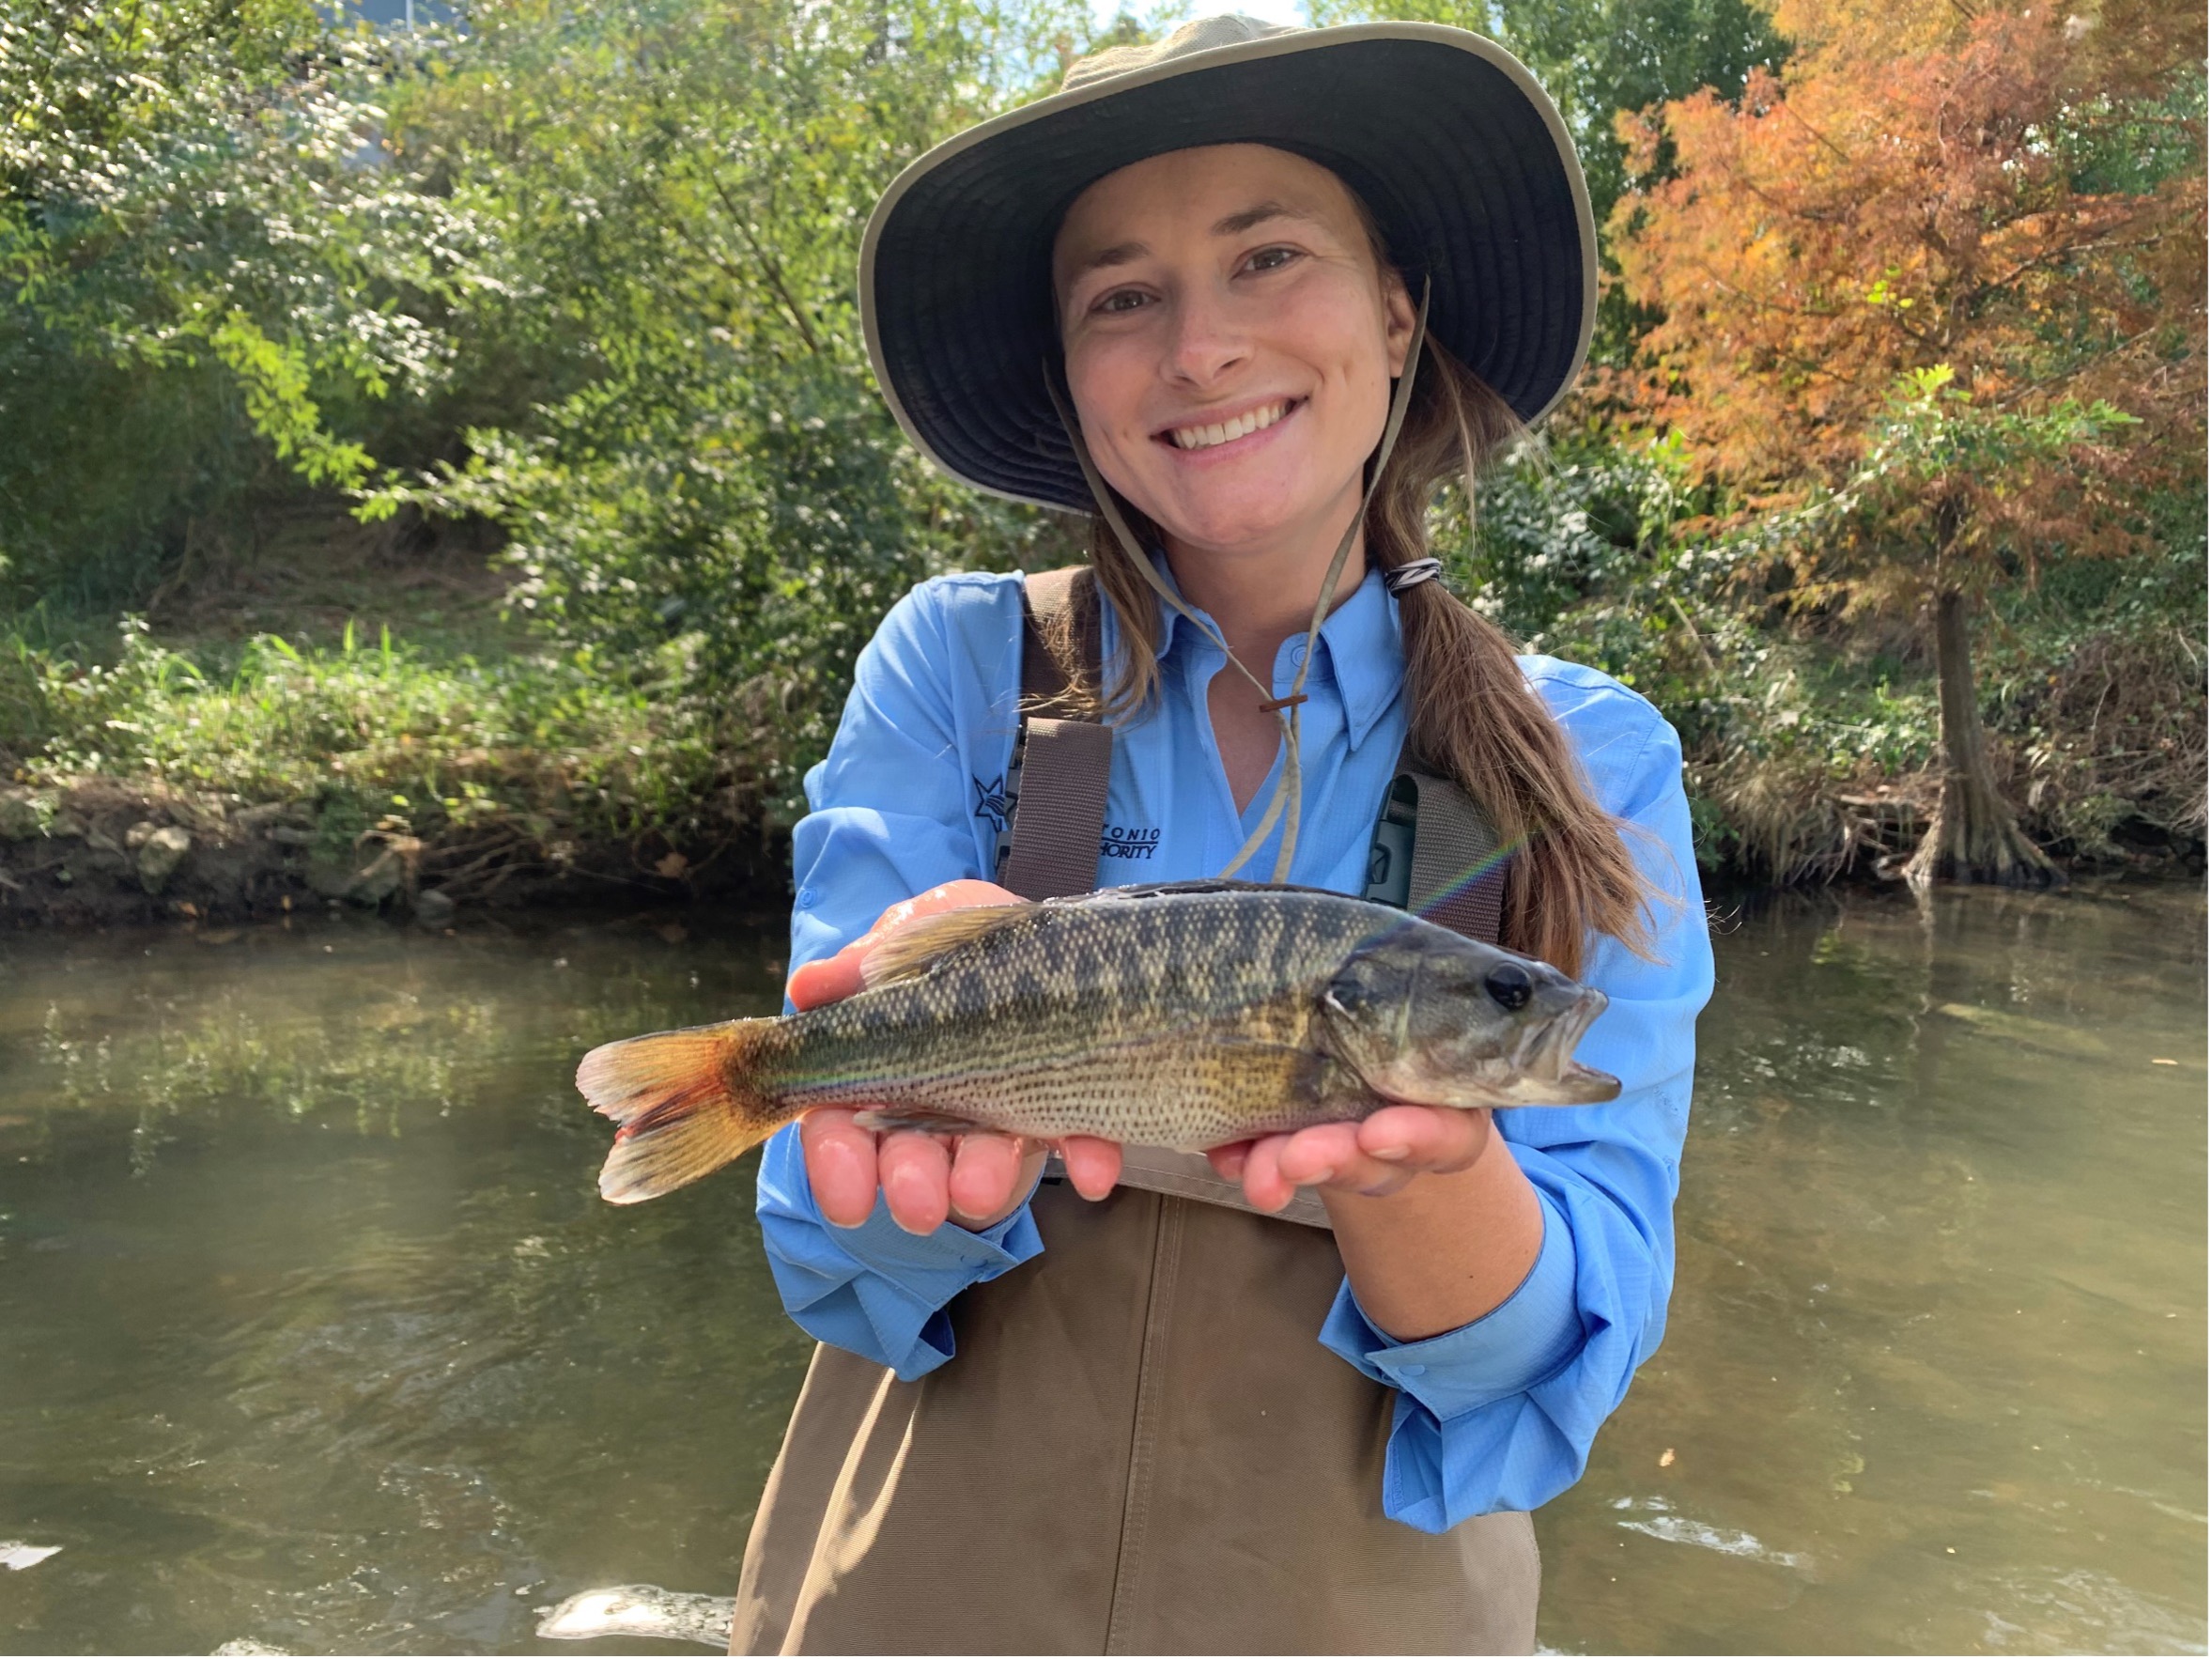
1435 854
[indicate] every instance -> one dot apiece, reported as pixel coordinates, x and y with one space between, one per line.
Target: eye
1272 260
1121 299
1510 986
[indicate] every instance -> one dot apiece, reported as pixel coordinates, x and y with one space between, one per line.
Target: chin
1246 512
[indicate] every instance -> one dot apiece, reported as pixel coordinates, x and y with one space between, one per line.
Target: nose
1510 986
1206 343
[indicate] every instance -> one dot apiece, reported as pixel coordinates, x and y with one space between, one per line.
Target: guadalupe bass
1182 1015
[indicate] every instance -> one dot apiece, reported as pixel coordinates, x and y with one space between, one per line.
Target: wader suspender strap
1436 855
1057 782
1432 845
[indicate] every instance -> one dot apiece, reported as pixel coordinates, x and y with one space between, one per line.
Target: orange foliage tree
1946 269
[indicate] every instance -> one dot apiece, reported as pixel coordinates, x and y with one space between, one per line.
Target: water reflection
1935 1379
312 1332
317 1333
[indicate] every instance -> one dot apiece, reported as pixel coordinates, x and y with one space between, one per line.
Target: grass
439 741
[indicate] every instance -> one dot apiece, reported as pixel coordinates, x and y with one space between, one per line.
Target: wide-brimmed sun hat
1449 141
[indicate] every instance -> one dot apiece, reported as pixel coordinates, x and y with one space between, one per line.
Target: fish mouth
1546 1054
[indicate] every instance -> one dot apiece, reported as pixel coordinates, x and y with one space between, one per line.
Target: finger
1329 1155
812 983
1434 1138
914 1169
985 1171
1094 1166
1264 1186
1228 1161
1311 1158
841 1165
829 979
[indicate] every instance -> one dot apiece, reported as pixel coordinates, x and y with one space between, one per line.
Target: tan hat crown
1205 34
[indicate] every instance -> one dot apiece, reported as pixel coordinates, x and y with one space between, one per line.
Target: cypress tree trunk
1974 836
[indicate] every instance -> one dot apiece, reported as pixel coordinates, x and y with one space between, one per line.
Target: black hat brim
1449 141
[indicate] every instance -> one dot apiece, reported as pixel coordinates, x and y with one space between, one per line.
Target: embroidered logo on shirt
1118 840
990 800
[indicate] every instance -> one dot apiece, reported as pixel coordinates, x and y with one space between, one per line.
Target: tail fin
682 1101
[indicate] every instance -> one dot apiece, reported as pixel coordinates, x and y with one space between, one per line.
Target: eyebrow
1235 224
1260 213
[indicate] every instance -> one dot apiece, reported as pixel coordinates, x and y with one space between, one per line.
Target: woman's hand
1374 1157
1423 1256
975 1179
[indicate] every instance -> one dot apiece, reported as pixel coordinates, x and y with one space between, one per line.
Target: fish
1184 1014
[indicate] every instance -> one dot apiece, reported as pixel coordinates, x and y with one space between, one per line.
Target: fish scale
1182 1015
1176 1024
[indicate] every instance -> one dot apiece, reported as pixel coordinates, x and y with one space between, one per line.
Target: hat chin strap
1284 803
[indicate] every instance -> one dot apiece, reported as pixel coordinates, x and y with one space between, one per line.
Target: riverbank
312 713
102 854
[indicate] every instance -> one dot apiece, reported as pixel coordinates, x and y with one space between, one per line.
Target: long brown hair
1472 714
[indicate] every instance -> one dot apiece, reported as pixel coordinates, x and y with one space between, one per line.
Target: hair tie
1412 574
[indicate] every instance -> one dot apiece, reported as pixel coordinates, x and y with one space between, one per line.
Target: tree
1598 58
205 264
1949 264
671 195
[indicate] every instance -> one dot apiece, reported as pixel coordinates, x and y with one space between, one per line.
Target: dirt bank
104 854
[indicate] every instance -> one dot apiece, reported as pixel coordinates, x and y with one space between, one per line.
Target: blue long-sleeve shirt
1497 1415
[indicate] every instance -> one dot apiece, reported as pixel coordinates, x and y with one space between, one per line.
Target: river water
313 1335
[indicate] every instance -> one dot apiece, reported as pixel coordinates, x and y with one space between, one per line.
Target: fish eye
1510 986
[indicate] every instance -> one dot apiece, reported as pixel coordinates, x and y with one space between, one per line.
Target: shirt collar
1361 648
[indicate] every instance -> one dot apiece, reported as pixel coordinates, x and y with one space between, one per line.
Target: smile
1213 435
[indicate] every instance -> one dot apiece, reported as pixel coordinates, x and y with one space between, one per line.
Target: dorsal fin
1174 889
911 950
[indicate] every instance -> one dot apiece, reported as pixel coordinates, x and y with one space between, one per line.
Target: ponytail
1471 713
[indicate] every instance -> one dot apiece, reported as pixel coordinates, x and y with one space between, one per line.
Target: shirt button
807 896
1413 1371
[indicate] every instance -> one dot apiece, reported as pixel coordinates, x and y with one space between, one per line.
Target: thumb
828 979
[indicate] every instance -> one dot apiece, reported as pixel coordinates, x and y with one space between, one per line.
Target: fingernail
1390 1154
1319 1177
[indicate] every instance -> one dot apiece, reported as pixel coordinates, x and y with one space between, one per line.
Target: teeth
1229 432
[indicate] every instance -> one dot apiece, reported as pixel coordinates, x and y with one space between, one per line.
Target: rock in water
159 854
642 1609
433 909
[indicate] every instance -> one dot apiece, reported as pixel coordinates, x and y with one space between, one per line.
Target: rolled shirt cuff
897 1283
1526 1339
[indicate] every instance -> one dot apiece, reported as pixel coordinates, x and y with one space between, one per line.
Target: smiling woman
1247 298
1224 357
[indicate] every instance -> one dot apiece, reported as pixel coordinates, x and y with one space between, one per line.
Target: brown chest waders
1139 1445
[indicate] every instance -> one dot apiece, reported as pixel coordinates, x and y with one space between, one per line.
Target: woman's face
1229 343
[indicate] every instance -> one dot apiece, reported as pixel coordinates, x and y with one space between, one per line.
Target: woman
1248 297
